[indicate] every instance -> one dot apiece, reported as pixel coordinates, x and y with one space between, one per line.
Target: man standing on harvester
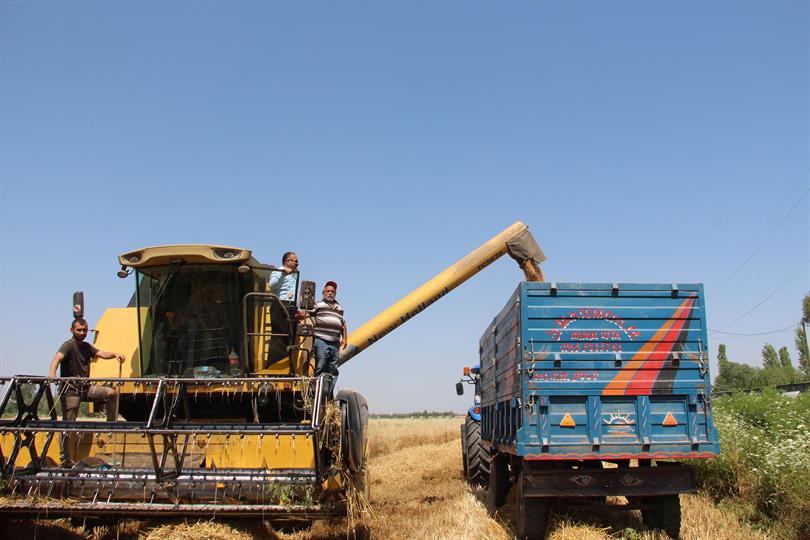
330 335
75 356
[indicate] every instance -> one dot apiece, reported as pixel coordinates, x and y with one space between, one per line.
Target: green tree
734 376
721 354
722 361
784 358
801 337
788 371
770 359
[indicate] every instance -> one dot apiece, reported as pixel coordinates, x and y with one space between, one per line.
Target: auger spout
515 240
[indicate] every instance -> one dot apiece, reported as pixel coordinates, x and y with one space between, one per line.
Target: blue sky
641 142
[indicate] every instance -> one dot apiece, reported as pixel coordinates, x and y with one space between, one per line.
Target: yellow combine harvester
220 412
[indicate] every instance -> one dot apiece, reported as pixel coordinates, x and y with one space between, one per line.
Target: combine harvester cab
219 409
594 390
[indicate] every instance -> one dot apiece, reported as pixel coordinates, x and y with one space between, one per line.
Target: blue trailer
589 390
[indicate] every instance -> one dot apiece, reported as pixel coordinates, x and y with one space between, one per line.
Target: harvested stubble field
417 491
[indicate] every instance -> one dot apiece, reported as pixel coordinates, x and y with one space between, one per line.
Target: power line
771 217
767 265
752 334
793 275
751 256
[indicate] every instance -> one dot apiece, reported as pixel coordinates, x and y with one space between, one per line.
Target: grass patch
763 469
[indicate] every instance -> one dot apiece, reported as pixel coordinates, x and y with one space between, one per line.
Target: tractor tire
498 487
663 512
533 513
477 457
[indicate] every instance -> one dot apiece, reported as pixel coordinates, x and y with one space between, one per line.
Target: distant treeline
777 370
418 414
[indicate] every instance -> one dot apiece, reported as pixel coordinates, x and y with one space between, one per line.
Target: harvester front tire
354 422
477 457
533 513
663 512
498 487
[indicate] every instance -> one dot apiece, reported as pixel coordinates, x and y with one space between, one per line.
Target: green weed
764 464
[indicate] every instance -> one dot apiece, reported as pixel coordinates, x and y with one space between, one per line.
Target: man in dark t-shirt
73 359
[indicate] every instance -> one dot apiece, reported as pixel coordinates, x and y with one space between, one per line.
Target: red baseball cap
328 283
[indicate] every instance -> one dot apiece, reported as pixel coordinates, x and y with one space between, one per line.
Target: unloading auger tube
515 240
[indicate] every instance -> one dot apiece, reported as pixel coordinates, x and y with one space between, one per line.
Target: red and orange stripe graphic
638 375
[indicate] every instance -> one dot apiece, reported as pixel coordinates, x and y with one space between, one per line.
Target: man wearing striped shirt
330 335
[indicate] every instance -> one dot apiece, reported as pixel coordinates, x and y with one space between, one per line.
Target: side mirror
307 295
78 305
460 388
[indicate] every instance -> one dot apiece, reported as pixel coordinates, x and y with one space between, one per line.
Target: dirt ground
417 491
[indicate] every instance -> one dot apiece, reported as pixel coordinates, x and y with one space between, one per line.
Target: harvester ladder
267 300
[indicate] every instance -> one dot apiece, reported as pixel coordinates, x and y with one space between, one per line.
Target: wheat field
417 491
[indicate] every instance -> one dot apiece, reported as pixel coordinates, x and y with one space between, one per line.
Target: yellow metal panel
301 363
24 458
282 367
270 452
261 316
250 451
117 331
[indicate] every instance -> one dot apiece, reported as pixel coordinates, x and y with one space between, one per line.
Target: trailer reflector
567 421
669 420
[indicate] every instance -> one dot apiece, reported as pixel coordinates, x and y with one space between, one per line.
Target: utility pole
804 323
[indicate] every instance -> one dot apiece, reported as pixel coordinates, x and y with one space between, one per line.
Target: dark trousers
282 322
70 410
326 358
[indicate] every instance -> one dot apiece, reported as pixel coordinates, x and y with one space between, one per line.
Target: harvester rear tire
533 513
477 457
498 487
354 421
663 512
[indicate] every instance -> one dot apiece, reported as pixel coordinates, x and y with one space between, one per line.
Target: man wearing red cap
330 335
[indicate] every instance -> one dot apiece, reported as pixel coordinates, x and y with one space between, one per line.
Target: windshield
189 320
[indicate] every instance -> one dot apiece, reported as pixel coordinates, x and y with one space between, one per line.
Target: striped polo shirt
328 321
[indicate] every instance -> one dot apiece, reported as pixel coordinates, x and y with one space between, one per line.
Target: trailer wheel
533 513
477 457
498 487
663 512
